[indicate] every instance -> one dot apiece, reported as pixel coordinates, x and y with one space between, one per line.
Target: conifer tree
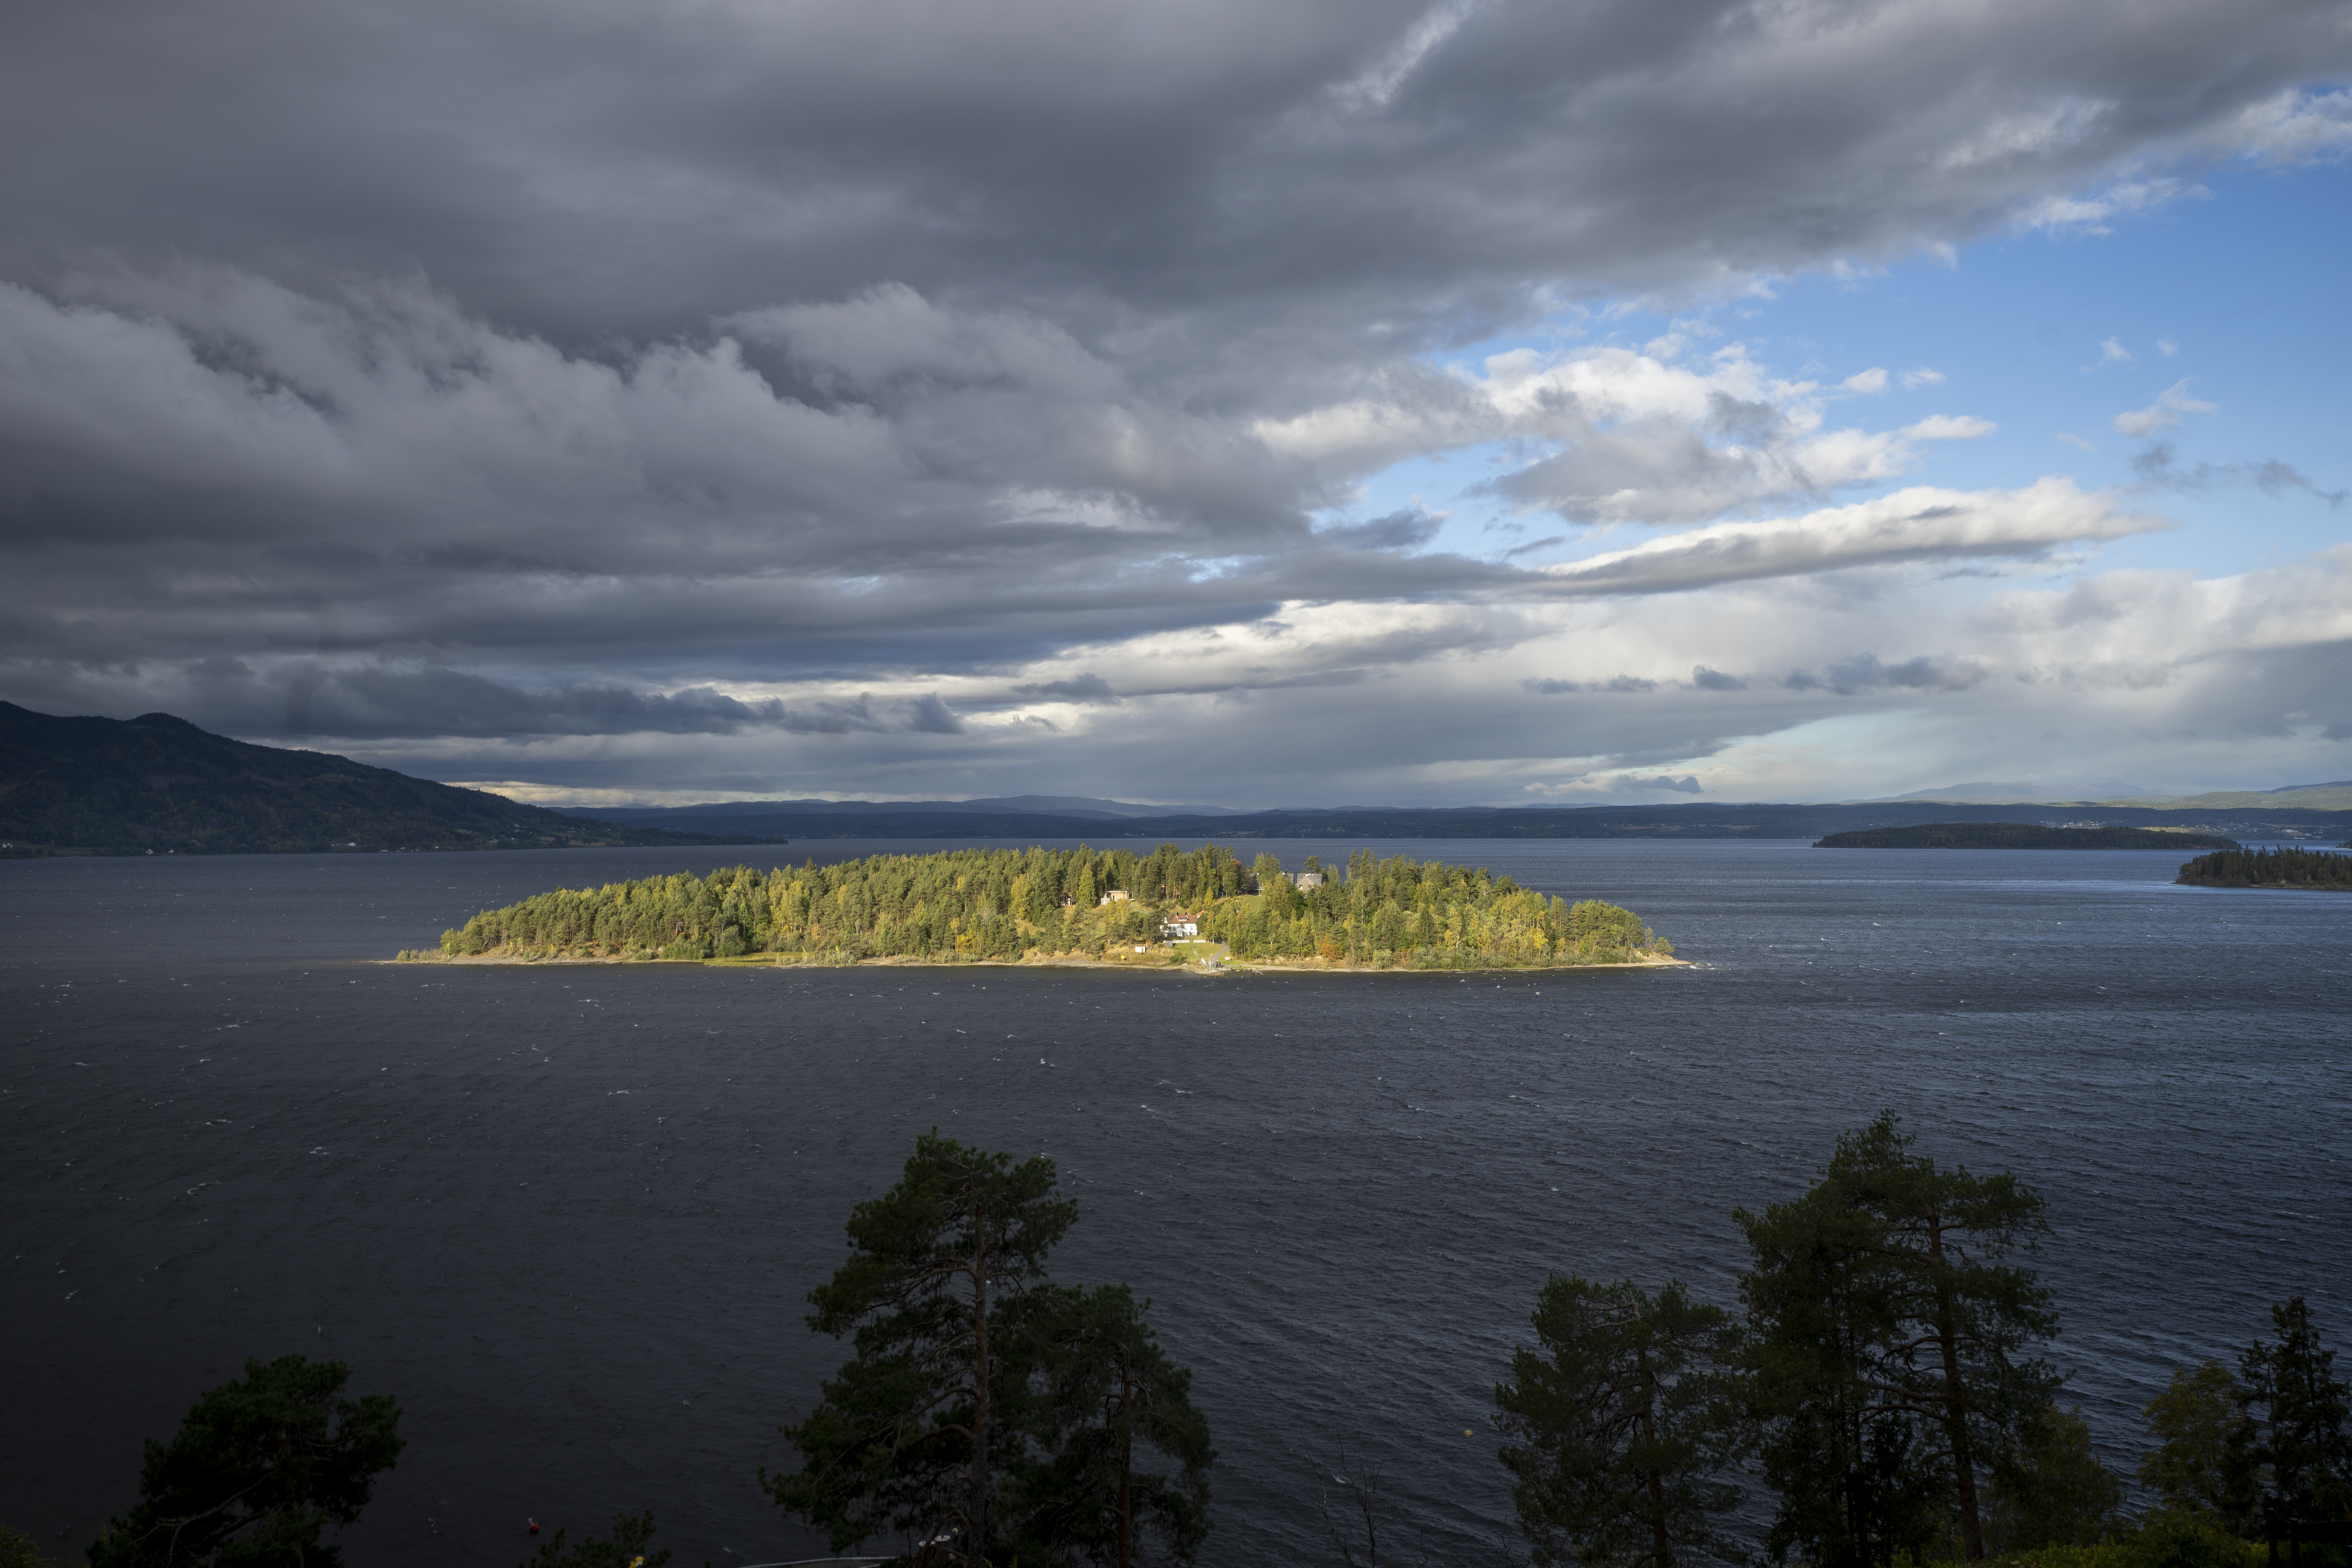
907 1439
2301 1447
1891 1347
258 1471
1101 1398
1621 1427
2201 1464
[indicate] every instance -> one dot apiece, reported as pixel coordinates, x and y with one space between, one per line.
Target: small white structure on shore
1181 925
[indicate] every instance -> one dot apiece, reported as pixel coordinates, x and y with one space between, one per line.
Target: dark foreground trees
984 1411
1621 1427
259 1471
627 1546
1100 1401
2298 1432
1890 1354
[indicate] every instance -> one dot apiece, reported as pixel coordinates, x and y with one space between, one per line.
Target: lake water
569 1215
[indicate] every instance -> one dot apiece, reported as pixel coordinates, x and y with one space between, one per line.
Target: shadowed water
568 1216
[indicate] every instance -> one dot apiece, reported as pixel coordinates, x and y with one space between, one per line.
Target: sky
1297 403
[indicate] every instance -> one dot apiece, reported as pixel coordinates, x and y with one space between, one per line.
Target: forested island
1041 905
2236 868
2019 836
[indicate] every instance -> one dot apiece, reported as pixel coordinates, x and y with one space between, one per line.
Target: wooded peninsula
1045 905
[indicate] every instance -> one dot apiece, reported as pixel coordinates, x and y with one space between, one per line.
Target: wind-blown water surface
568 1216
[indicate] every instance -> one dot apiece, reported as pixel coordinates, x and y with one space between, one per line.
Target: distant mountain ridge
1019 805
2335 797
936 820
158 784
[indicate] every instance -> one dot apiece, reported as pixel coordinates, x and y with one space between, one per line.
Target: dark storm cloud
1077 688
1865 672
598 167
517 369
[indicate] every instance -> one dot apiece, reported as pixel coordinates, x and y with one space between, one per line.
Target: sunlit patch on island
1200 909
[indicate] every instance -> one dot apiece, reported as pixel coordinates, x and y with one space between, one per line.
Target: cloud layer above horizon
609 403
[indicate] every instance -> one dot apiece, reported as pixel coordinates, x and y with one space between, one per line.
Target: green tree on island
1003 905
1888 1355
259 1468
1621 1427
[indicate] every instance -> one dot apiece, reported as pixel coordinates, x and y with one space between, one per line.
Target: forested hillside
975 904
158 784
2269 869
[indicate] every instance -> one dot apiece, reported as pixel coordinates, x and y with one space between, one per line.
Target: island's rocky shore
1154 963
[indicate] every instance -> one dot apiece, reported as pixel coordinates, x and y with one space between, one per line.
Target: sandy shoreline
1228 966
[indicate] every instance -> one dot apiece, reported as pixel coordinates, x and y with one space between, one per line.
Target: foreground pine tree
987 1415
2299 1424
259 1471
1620 1428
1890 1354
1100 1400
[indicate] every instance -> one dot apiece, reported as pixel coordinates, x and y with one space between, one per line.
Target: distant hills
159 784
2022 835
2335 797
995 820
1077 806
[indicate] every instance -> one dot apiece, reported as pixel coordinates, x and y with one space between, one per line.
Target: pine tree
1621 1427
258 1469
1883 1306
2301 1447
907 1439
1101 1398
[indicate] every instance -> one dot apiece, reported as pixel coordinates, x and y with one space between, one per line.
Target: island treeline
2268 868
1006 905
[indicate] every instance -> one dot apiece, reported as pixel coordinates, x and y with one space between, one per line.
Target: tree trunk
1660 1546
1956 1409
977 1539
1126 1463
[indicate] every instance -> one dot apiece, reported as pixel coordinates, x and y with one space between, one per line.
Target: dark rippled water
568 1216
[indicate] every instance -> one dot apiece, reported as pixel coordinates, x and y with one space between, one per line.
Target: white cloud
1632 435
1914 379
1950 427
2112 351
2166 347
1921 523
2164 412
2296 125
2076 441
